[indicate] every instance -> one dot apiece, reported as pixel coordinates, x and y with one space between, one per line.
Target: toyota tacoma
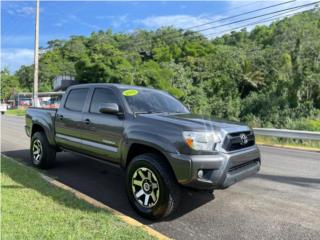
151 135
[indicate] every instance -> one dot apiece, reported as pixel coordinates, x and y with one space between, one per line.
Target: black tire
47 155
169 191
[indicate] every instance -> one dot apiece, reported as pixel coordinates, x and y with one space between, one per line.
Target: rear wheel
152 190
43 155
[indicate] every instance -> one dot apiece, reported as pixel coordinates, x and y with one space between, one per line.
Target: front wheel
151 187
43 155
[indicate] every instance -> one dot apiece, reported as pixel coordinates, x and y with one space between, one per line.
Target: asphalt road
281 202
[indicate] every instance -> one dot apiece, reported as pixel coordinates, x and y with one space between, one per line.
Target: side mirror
111 108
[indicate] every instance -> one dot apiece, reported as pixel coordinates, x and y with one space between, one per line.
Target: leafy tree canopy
268 76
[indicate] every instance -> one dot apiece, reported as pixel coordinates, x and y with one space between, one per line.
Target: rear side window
102 95
76 99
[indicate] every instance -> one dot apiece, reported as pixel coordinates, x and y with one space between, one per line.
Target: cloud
73 19
115 21
235 6
229 20
273 11
60 23
10 12
13 58
217 25
208 25
178 21
26 10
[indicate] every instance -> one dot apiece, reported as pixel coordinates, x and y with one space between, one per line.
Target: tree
25 77
9 83
269 75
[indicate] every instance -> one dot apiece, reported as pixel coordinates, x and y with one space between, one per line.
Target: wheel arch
38 127
136 149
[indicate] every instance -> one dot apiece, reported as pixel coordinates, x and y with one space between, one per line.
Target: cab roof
115 85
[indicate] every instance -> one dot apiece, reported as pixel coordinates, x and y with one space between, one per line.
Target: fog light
200 174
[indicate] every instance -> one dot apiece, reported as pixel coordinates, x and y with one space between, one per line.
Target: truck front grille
239 140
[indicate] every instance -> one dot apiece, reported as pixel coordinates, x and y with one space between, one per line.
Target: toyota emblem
243 138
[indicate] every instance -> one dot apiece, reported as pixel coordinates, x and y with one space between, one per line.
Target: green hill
269 76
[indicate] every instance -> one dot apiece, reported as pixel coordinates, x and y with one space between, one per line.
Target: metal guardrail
286 133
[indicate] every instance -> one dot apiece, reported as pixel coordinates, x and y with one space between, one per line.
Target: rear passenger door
69 119
102 133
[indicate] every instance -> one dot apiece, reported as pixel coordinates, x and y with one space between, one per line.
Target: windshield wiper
151 112
142 112
146 112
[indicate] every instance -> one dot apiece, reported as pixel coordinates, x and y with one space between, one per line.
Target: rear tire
151 187
42 154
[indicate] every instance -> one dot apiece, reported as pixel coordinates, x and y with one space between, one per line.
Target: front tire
43 155
151 187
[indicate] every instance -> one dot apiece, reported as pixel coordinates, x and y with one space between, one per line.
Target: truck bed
49 111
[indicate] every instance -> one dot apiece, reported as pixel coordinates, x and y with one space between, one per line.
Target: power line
262 15
241 14
277 16
216 34
234 9
238 21
219 20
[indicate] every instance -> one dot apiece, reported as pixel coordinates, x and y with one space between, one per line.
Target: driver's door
102 132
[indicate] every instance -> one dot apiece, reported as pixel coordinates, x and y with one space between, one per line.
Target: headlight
204 141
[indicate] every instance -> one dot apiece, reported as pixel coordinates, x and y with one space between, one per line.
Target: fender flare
155 141
47 130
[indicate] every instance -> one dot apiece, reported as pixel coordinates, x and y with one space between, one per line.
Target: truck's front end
235 157
218 153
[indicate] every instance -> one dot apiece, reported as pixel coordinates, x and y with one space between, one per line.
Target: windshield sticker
130 92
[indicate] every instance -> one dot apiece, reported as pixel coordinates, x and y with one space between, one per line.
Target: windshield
152 101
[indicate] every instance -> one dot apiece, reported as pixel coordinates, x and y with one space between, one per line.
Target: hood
199 122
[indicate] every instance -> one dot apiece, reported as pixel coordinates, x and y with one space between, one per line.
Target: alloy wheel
37 151
145 187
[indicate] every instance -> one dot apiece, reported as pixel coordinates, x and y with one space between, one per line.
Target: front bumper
220 170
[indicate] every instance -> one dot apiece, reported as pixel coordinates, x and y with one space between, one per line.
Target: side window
76 99
102 95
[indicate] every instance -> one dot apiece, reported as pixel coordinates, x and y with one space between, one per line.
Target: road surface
281 202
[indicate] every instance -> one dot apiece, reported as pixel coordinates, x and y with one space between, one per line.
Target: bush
305 124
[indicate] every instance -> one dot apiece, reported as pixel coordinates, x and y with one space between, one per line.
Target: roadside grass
290 143
16 112
32 208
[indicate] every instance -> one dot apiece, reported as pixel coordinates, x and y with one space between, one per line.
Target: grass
293 143
32 208
16 112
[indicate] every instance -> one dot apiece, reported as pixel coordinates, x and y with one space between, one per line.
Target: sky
62 19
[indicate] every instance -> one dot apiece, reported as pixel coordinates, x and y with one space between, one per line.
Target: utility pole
36 58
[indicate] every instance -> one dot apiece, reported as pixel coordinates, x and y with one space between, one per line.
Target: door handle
87 121
60 117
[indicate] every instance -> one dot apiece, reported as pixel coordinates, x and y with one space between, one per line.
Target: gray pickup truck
151 135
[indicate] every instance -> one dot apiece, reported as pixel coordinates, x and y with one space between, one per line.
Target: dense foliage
269 76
